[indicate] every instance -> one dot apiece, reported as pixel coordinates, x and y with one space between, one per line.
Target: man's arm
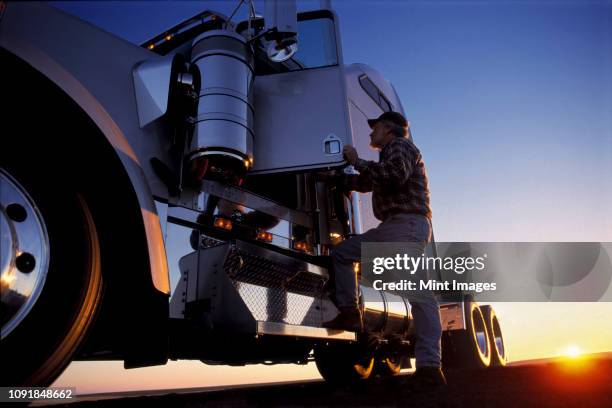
348 182
396 168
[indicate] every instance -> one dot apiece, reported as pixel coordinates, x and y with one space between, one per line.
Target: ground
579 382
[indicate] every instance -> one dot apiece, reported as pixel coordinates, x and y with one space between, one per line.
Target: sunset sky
511 105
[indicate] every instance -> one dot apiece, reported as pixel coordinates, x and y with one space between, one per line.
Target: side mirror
281 29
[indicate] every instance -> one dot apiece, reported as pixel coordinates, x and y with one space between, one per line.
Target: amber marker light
223 223
335 237
168 37
151 46
302 246
264 236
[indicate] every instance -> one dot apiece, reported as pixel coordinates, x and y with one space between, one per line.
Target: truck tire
499 357
387 366
342 364
469 347
43 326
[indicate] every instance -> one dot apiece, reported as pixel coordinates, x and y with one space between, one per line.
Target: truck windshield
316 43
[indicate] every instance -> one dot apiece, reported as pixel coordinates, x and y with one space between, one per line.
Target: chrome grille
277 305
242 266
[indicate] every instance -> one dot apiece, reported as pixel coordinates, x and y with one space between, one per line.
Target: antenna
227 23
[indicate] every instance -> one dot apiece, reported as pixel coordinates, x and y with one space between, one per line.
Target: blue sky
511 105
510 102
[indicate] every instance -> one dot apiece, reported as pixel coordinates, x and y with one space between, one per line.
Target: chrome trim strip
214 152
280 329
281 258
255 202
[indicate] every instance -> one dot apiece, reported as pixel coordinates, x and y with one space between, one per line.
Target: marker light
302 246
264 236
335 237
223 223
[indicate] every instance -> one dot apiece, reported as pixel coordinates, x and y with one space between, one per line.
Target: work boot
426 378
349 319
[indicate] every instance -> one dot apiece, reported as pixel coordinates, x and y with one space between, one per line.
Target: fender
21 26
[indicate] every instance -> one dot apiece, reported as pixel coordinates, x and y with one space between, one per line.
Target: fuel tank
384 312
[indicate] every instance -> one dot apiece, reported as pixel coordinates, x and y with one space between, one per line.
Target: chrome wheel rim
498 339
480 332
24 253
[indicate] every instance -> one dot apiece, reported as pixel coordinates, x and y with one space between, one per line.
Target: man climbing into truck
400 200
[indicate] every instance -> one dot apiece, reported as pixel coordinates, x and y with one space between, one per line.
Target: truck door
301 109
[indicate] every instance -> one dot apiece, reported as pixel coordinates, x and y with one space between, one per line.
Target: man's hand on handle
335 176
350 154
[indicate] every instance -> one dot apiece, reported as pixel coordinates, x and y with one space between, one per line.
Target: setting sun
572 351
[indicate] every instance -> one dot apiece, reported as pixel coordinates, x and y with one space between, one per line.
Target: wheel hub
24 253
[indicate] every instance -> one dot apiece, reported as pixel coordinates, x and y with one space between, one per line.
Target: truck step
282 329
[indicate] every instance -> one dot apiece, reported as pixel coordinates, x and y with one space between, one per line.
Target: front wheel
51 280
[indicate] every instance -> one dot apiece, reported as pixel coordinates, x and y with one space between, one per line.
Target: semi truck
160 201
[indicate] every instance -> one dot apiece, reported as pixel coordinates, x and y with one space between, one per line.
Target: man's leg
427 349
343 256
428 331
416 231
425 308
347 285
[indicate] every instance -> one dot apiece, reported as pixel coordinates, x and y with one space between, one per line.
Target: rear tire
42 342
469 347
388 366
499 357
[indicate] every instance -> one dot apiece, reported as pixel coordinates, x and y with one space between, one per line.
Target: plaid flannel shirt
398 180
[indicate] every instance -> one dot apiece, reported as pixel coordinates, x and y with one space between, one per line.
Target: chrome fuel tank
385 312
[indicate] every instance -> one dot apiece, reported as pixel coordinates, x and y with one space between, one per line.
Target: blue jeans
426 313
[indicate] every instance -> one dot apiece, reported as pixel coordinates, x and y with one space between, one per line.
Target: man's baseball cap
393 117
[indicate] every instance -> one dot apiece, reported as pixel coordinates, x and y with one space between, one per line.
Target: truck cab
183 177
